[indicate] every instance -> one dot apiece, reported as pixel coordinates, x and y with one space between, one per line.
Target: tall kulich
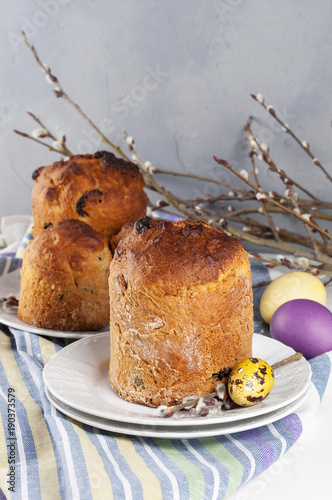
99 189
181 310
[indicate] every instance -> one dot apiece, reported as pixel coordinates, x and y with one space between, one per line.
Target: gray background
208 57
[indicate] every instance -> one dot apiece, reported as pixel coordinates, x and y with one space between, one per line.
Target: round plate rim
25 327
161 432
147 419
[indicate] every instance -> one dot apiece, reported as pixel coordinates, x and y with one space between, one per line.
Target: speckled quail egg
250 381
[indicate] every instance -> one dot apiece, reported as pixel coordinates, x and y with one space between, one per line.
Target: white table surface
305 471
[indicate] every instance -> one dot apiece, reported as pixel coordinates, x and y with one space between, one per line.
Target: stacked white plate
76 383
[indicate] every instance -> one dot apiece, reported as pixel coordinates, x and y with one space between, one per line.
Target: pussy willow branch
181 206
303 144
61 93
202 178
63 148
289 183
44 144
276 210
283 245
255 232
262 203
248 194
265 156
269 199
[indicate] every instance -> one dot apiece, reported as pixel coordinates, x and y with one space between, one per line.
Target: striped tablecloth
52 456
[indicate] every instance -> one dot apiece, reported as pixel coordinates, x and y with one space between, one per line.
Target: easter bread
100 189
181 308
64 279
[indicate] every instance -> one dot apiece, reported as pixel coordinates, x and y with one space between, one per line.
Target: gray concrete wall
176 75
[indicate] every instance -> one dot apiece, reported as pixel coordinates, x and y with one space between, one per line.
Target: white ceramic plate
78 377
10 284
176 432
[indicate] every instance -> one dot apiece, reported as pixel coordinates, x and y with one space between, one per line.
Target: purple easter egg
304 325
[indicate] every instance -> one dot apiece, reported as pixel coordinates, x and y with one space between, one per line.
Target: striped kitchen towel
46 455
24 243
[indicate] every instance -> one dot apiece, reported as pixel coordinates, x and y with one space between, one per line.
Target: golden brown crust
194 252
126 228
181 307
101 190
64 279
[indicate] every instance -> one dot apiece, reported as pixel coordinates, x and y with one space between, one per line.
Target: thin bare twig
48 146
271 200
307 211
61 93
303 144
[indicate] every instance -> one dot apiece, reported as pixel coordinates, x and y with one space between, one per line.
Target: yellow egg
250 382
293 285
